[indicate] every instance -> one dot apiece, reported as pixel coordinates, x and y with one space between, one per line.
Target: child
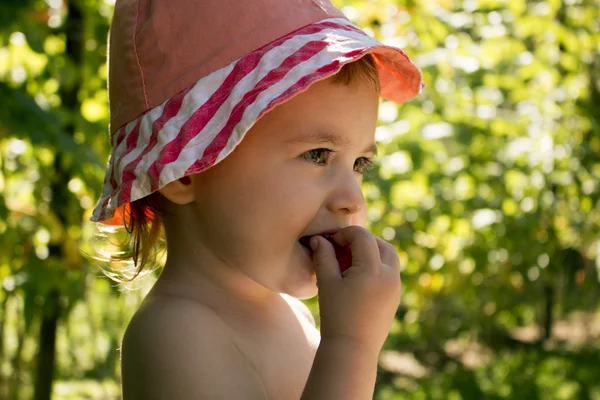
243 129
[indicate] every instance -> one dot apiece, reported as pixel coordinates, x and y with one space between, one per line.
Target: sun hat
189 78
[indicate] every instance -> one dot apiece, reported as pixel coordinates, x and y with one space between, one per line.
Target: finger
365 252
388 254
324 260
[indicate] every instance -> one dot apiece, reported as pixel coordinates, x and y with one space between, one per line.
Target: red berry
343 255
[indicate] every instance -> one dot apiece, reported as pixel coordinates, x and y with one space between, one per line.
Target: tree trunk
60 204
15 379
3 382
548 310
47 346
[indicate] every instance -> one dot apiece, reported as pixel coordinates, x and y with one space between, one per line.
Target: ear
180 191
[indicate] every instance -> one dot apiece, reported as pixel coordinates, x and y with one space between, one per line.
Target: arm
343 369
345 366
181 350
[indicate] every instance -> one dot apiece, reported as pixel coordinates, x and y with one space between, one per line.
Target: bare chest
282 357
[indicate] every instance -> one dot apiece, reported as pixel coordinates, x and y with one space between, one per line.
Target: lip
305 238
329 232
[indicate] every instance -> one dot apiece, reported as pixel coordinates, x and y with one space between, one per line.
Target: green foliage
488 186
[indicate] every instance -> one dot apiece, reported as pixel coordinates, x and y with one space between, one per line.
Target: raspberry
343 255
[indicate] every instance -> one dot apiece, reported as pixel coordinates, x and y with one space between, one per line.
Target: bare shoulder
176 348
300 308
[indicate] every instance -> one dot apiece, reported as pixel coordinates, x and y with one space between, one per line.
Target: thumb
324 259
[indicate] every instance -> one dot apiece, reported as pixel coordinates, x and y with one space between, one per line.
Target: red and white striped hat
189 78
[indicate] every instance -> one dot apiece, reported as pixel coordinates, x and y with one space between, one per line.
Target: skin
238 247
227 297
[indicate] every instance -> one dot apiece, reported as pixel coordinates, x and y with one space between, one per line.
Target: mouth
305 240
342 254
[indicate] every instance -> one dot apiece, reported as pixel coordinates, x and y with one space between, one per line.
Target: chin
302 291
309 293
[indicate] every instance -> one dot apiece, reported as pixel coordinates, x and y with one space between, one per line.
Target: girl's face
297 172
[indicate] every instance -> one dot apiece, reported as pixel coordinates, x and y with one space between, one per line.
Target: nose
346 198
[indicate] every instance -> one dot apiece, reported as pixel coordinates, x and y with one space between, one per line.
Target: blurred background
488 186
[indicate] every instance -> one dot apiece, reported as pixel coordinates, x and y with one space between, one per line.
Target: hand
360 305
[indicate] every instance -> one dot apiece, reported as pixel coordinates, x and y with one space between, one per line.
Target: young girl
242 130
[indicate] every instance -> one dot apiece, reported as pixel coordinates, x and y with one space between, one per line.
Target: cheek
260 201
282 211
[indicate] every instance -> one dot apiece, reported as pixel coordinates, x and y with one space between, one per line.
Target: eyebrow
328 137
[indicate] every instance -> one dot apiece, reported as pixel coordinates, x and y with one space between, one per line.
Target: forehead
326 112
324 137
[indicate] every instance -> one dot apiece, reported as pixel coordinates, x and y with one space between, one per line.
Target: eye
318 156
364 165
323 157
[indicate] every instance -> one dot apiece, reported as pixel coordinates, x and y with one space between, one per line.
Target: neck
195 271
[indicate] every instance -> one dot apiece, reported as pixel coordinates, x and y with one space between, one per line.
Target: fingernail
314 243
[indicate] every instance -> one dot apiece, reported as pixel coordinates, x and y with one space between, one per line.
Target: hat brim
198 127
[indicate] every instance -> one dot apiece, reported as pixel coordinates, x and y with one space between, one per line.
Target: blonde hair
143 222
